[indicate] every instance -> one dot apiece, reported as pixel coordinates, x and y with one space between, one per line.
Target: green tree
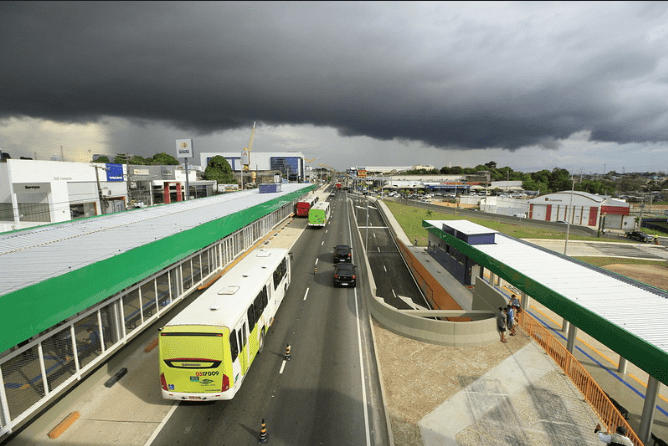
103 159
163 159
220 170
560 179
121 158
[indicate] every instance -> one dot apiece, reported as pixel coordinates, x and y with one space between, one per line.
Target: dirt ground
654 275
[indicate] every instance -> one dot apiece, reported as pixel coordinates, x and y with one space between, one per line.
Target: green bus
318 215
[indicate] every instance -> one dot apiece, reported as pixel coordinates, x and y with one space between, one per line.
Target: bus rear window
192 350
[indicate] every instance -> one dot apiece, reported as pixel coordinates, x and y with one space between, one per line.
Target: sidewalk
499 394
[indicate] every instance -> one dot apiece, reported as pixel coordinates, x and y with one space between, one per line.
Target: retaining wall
441 332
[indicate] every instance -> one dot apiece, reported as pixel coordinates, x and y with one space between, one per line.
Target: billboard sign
114 172
184 148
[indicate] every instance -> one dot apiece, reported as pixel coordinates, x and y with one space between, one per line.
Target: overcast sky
580 86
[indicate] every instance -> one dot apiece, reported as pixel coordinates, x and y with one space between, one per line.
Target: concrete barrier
450 333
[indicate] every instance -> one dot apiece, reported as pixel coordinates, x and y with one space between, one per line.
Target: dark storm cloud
470 75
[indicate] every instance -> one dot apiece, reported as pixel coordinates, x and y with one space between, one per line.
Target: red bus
338 186
303 205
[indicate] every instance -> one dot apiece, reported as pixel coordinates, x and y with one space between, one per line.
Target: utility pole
103 201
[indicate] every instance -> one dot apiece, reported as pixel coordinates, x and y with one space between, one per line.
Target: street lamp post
569 217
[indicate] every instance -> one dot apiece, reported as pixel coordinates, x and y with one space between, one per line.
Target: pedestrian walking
619 437
501 323
510 320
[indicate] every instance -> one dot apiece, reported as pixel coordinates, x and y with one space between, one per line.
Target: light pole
568 219
366 241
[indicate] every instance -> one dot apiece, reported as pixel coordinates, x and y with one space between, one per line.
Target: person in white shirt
619 437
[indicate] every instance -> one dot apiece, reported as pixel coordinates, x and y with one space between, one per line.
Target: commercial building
290 164
34 193
582 208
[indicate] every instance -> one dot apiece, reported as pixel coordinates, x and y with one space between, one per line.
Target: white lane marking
384 268
316 261
157 430
379 249
323 242
359 348
282 367
393 293
412 304
306 294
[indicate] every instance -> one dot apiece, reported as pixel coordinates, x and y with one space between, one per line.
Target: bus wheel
261 343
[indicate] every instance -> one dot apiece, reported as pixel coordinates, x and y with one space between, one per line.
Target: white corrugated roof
635 307
33 255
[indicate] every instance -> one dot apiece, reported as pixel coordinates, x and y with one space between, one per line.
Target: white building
37 192
582 208
34 193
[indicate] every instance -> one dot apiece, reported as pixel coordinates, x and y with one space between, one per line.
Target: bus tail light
226 383
163 381
354 276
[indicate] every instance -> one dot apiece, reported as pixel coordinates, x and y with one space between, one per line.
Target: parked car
639 236
342 253
345 275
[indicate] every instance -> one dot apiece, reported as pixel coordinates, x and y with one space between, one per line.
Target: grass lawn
410 219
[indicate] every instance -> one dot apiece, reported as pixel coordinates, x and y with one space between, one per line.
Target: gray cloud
467 75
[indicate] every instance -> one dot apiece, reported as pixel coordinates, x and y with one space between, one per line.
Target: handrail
592 392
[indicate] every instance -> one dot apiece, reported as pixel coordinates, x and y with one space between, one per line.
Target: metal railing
592 392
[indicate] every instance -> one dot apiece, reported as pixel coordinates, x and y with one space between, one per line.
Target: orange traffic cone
262 437
287 353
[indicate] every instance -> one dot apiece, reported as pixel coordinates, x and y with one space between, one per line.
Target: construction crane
246 152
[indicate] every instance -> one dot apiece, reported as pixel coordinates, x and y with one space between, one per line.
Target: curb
64 425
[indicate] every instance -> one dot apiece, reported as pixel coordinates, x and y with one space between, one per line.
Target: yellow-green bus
318 214
207 349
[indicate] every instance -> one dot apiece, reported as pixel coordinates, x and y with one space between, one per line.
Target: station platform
499 394
511 393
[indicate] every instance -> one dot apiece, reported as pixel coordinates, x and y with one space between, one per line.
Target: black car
345 274
640 236
342 253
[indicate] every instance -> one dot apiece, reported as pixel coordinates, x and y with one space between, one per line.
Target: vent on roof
228 290
263 253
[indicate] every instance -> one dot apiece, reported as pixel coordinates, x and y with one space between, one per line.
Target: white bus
207 349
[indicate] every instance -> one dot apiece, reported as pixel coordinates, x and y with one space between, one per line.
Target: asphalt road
394 282
328 393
